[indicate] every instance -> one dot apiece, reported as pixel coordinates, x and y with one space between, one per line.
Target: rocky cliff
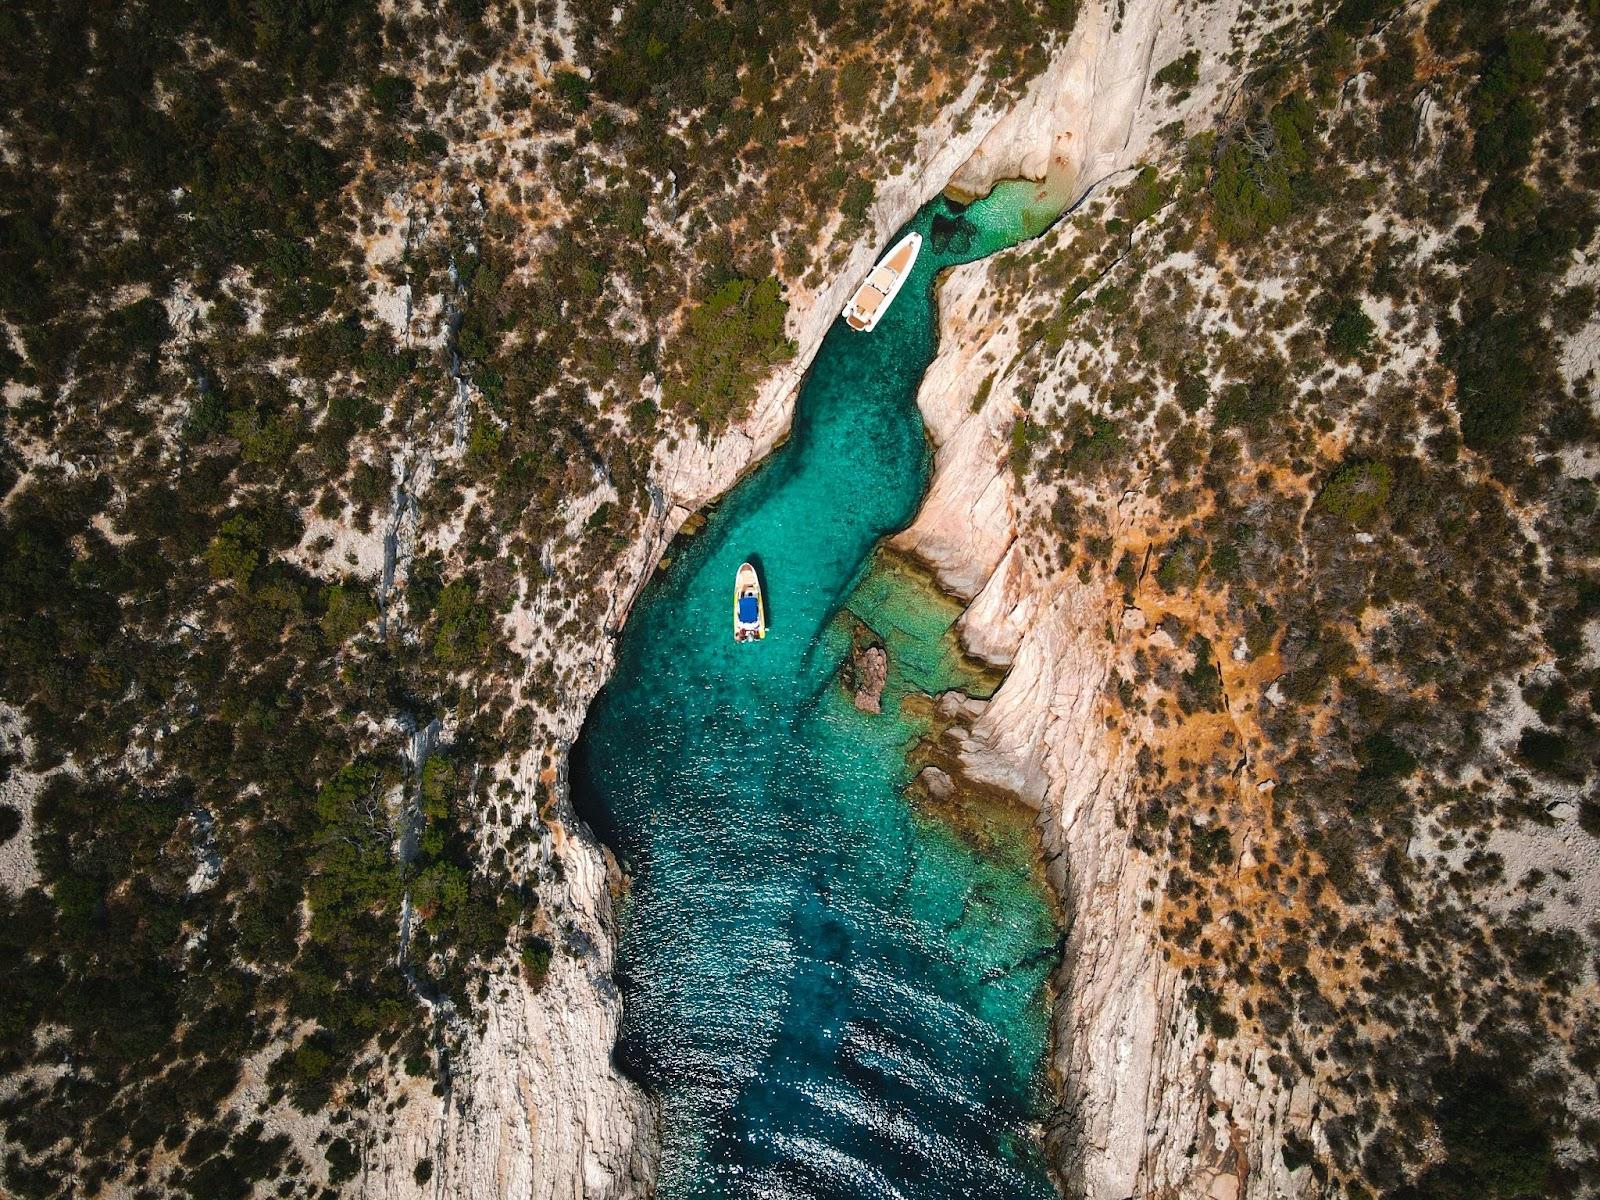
1307 926
1155 1102
1126 1045
535 1107
1146 1110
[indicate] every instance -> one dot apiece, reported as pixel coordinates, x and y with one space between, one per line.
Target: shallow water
833 994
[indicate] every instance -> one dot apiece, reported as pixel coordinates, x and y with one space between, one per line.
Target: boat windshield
867 300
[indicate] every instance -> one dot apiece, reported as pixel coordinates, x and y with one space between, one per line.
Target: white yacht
872 298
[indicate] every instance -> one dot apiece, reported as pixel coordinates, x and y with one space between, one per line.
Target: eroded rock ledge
536 1109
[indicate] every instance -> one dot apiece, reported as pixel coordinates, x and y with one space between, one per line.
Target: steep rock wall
1149 1109
1097 109
535 1107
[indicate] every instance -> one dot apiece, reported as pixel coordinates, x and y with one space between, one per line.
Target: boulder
869 671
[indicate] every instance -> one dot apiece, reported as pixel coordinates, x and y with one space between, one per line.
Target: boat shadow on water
754 559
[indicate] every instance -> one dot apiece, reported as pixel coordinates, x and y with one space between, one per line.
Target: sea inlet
834 990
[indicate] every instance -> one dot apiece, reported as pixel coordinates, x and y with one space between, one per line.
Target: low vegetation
1340 459
336 342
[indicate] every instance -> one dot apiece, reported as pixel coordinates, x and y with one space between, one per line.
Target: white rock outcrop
534 1105
1147 1110
1095 110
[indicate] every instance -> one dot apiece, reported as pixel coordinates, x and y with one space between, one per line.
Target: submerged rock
937 782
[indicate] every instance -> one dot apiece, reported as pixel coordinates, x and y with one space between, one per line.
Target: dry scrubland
339 351
1310 401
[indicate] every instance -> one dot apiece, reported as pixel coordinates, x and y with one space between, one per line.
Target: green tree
1263 175
349 608
1357 492
236 551
1181 73
464 626
1350 332
728 344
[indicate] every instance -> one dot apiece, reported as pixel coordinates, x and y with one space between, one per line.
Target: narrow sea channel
834 992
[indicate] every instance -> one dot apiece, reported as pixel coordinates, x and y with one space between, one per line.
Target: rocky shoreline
1142 1112
537 1109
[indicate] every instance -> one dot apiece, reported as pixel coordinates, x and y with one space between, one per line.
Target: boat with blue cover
749 613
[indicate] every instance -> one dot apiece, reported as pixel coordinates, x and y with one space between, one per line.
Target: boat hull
748 627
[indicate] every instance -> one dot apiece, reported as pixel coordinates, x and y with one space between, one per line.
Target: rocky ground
1240 1016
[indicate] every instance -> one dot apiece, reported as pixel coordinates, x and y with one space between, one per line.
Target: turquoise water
833 993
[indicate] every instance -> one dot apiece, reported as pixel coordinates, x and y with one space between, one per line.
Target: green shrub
1357 492
236 551
1209 1012
571 88
857 198
1180 73
1093 442
1144 197
1497 1144
1202 683
1496 380
392 93
1180 567
1251 406
1356 16
1025 435
1383 758
1296 1153
355 879
1506 118
728 344
1263 175
536 957
344 1163
1350 332
465 628
1547 752
349 608
1193 391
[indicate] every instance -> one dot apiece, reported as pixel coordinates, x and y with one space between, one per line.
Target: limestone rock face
1093 111
1149 1111
1092 114
1141 1089
535 1108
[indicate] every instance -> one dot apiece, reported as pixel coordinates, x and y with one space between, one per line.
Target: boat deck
880 286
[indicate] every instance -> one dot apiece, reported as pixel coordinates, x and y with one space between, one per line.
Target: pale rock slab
536 1110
